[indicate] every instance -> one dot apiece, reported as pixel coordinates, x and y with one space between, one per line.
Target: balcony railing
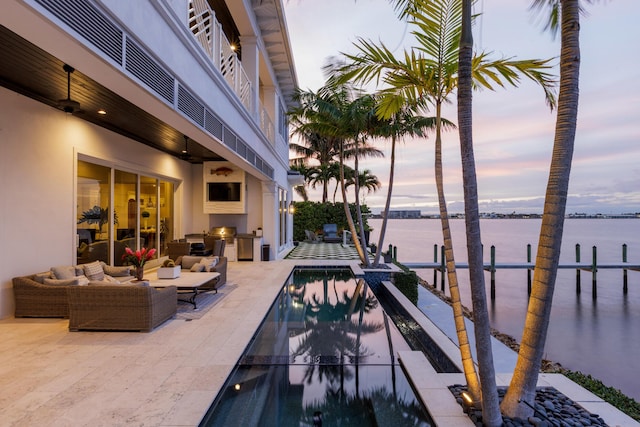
208 32
266 124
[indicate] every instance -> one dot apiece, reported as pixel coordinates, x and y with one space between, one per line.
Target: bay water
600 337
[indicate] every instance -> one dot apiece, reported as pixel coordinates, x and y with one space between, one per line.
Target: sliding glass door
133 211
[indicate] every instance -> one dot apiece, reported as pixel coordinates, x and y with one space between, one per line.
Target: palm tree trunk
387 205
358 239
490 404
363 256
525 376
473 384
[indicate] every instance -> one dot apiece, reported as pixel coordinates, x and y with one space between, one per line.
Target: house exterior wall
40 145
38 155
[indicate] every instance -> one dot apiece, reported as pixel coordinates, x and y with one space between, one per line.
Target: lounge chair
312 237
330 233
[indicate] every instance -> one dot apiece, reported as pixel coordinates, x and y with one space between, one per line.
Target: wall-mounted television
224 191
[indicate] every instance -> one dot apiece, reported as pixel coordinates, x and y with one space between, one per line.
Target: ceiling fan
68 105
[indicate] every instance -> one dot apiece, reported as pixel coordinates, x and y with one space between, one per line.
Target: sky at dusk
513 127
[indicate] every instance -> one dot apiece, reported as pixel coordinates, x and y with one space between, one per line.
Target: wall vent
190 106
230 139
213 125
148 71
87 21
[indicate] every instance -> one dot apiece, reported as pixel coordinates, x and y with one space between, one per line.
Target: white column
270 217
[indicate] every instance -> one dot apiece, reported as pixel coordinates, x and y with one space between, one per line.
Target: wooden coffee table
188 283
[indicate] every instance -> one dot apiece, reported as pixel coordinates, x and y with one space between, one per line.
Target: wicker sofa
43 295
124 307
187 262
34 299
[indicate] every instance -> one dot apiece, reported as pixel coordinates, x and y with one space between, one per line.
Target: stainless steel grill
226 233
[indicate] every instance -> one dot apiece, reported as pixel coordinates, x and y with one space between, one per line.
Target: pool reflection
325 353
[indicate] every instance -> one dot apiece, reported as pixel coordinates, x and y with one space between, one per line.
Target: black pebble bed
552 408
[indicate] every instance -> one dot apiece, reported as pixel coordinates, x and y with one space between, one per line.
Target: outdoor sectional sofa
94 296
45 294
124 307
211 264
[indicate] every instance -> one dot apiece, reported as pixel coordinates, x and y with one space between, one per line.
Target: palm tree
431 71
366 181
403 123
565 13
338 123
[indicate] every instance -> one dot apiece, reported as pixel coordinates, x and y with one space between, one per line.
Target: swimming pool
324 354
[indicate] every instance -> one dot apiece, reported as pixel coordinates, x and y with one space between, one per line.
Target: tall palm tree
317 146
565 13
402 123
431 72
490 404
340 120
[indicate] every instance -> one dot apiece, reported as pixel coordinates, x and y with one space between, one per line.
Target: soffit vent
87 21
229 139
213 125
251 156
242 148
148 71
190 106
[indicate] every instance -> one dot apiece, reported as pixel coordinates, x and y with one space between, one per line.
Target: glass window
142 214
149 212
165 208
124 201
94 215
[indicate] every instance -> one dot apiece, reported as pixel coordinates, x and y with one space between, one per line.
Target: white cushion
94 271
197 267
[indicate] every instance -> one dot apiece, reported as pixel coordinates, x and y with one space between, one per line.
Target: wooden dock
493 266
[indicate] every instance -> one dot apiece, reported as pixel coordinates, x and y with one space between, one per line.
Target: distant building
403 214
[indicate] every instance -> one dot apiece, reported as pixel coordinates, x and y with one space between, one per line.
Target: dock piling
528 269
624 270
578 286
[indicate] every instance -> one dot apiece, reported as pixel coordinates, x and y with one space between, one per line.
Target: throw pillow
188 261
63 272
210 262
94 271
198 268
61 282
116 271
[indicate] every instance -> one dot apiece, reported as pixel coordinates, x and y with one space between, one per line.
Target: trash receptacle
265 252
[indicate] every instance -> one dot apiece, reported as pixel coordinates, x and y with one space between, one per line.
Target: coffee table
189 283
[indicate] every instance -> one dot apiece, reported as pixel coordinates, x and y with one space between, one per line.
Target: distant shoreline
404 215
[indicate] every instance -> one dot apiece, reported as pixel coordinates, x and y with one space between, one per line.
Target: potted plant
169 270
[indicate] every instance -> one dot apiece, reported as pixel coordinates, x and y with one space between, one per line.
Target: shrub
407 283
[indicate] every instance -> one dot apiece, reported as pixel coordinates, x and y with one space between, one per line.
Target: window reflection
141 213
93 204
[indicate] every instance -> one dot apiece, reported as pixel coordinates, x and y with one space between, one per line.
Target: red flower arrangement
139 257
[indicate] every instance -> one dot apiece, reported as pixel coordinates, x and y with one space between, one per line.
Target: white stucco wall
39 146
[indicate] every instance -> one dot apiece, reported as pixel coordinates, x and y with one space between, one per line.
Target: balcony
211 38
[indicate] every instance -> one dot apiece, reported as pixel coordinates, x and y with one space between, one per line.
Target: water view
597 337
327 352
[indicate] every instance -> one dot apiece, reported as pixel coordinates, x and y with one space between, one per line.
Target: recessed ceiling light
102 111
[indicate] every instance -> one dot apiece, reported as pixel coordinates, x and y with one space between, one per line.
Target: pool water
324 355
